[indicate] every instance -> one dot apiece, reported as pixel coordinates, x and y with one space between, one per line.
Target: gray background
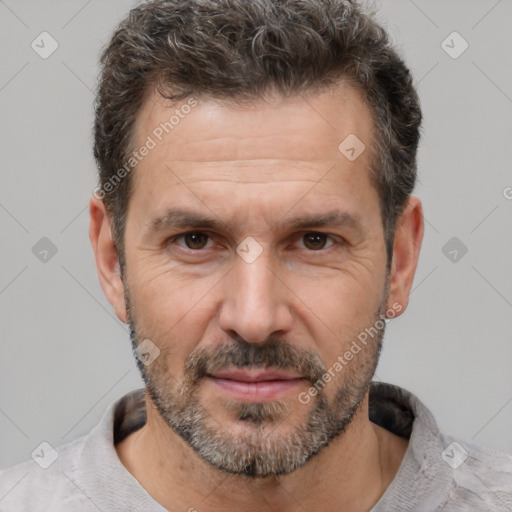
65 357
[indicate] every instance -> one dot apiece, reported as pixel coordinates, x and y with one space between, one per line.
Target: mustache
272 353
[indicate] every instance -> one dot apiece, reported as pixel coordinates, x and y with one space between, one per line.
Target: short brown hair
242 50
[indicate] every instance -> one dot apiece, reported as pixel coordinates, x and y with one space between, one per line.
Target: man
254 226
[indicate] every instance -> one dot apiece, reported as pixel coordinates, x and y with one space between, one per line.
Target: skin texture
254 168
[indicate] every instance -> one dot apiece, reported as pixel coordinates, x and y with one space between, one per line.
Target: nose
256 302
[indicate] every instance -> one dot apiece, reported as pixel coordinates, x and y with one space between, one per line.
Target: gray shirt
438 472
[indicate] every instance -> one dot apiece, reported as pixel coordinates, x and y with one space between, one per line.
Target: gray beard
260 450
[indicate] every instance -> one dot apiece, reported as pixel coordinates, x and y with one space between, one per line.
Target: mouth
256 384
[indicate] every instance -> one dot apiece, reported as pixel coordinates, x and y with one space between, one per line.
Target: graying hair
242 50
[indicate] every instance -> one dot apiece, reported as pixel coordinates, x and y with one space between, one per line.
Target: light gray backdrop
64 356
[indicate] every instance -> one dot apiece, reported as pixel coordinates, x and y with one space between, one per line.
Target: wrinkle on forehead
251 171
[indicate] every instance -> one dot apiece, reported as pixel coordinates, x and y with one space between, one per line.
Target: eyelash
335 240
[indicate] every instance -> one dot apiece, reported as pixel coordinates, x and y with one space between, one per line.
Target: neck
354 470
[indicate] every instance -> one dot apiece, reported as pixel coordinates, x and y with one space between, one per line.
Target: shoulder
84 474
45 483
438 472
480 475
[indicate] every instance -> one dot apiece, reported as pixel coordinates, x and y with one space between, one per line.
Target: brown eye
315 241
195 240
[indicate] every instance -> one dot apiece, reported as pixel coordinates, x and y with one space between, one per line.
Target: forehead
217 150
261 129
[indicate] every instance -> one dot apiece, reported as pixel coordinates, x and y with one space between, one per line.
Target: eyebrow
180 219
333 218
184 219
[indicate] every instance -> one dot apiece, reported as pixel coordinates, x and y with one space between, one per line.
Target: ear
406 251
105 253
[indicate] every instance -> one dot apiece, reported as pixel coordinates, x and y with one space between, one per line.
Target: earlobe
106 257
406 250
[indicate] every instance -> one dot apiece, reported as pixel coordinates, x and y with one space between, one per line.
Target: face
255 259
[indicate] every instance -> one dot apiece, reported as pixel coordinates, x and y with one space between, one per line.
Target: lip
256 385
254 375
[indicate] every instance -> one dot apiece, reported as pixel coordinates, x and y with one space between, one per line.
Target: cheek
338 310
171 311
